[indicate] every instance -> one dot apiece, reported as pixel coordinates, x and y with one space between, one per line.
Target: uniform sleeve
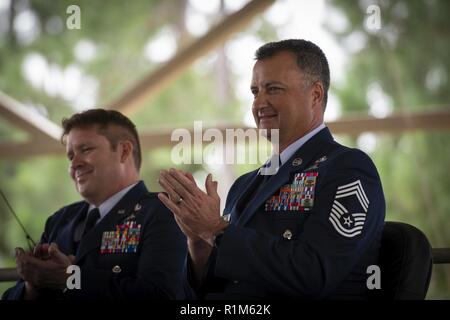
348 216
17 291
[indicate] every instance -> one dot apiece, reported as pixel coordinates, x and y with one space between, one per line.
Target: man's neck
285 144
120 187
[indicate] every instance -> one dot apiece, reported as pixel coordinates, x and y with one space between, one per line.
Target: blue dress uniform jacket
309 232
152 267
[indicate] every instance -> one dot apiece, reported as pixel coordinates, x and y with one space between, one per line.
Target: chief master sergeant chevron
309 231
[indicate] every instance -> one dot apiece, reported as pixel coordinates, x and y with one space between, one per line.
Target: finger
183 185
31 261
19 251
41 251
72 259
211 186
177 188
216 188
37 249
54 252
169 204
173 195
189 176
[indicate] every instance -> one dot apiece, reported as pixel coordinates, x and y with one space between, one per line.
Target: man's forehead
81 134
280 58
84 130
266 73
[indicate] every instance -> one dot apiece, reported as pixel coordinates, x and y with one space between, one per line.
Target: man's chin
83 189
267 130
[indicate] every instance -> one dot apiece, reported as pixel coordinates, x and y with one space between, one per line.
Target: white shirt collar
294 146
109 203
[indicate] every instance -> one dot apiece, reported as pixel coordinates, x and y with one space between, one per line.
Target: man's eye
254 93
86 149
273 89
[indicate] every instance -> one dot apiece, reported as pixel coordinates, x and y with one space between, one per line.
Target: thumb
19 251
211 186
53 251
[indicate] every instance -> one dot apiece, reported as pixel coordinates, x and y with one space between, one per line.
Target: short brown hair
103 119
310 59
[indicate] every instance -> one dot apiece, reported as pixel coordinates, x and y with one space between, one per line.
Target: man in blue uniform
308 231
125 242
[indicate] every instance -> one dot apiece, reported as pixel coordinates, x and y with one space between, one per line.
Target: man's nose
76 162
260 101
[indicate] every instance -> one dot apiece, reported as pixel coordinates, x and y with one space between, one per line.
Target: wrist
197 243
217 236
30 291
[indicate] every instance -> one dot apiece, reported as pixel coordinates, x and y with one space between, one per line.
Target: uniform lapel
307 153
124 208
65 236
241 201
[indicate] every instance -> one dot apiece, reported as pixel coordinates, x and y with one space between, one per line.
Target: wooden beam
8 274
10 150
394 124
37 126
158 80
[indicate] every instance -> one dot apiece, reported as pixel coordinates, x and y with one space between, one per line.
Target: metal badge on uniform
316 163
297 161
117 269
124 239
322 159
287 234
297 196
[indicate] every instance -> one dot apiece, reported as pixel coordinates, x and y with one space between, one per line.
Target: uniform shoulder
344 156
70 208
244 179
66 211
349 162
151 195
151 199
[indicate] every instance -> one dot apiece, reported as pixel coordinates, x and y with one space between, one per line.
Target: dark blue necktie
262 178
92 218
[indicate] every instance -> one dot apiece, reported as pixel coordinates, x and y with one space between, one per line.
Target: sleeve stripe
354 186
364 204
344 234
340 227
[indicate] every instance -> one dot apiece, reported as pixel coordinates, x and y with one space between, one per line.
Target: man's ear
126 150
317 94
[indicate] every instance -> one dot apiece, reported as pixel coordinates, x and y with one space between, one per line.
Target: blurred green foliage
408 59
410 49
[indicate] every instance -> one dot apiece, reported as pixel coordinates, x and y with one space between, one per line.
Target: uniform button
116 269
236 282
287 234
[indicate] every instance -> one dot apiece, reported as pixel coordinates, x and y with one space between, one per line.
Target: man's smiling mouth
78 175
